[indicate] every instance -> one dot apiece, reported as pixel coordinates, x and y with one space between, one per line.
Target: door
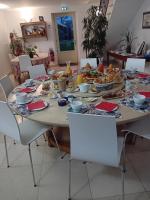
66 37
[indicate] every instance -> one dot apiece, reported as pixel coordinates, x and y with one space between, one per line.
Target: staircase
120 14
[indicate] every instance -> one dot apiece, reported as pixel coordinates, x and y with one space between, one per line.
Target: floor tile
106 181
141 164
17 184
137 196
54 181
19 155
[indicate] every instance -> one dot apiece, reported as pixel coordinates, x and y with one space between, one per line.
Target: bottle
68 69
79 79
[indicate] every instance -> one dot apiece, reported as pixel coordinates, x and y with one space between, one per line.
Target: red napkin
42 78
146 94
143 75
106 106
27 90
36 105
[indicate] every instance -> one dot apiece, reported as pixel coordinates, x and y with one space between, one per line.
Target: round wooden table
56 116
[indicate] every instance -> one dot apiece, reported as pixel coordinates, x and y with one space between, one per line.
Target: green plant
31 51
94 28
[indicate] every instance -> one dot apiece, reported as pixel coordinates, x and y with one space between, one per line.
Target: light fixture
64 8
26 13
3 6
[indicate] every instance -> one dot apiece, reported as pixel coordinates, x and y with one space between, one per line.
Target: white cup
138 99
84 87
76 106
21 97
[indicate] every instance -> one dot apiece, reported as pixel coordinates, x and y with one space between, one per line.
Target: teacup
138 99
84 87
76 106
21 97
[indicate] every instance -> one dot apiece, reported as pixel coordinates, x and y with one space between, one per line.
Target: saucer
27 100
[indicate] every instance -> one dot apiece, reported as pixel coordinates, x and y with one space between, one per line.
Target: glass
65 33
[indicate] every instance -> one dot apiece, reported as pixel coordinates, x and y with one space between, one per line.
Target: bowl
84 87
138 99
101 87
76 106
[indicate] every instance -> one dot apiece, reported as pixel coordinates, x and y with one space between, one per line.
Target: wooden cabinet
34 30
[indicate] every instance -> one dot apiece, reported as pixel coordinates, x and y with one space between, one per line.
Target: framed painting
146 20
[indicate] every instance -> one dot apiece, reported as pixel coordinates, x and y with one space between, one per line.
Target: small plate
28 100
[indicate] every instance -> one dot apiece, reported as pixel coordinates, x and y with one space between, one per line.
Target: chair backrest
37 70
8 123
6 85
91 61
24 62
137 64
93 138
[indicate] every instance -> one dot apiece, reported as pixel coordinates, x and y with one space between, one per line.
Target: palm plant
94 28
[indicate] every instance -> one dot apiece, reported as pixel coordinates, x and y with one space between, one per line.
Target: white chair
6 85
137 64
25 63
25 132
140 127
91 61
37 70
94 138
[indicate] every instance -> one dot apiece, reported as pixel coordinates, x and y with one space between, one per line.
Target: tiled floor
90 181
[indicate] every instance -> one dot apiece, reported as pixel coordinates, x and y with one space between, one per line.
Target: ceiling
43 3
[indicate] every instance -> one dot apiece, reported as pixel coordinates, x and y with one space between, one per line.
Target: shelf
34 30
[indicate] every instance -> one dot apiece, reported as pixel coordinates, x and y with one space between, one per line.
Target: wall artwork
146 20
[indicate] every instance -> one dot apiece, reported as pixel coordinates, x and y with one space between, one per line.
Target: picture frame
146 20
41 18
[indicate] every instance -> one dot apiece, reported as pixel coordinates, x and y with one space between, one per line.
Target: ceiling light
3 6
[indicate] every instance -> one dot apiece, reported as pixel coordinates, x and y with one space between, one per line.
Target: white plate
28 100
46 105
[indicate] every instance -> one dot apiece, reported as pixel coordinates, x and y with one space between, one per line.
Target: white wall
4 46
136 26
13 19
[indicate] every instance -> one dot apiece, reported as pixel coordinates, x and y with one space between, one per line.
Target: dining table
40 58
56 116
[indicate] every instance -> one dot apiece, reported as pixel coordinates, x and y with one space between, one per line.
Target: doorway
66 39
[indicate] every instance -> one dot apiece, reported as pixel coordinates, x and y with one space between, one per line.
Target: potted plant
94 28
31 51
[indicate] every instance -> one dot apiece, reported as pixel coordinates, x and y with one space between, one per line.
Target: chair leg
123 170
62 157
55 139
31 162
44 137
6 150
69 198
